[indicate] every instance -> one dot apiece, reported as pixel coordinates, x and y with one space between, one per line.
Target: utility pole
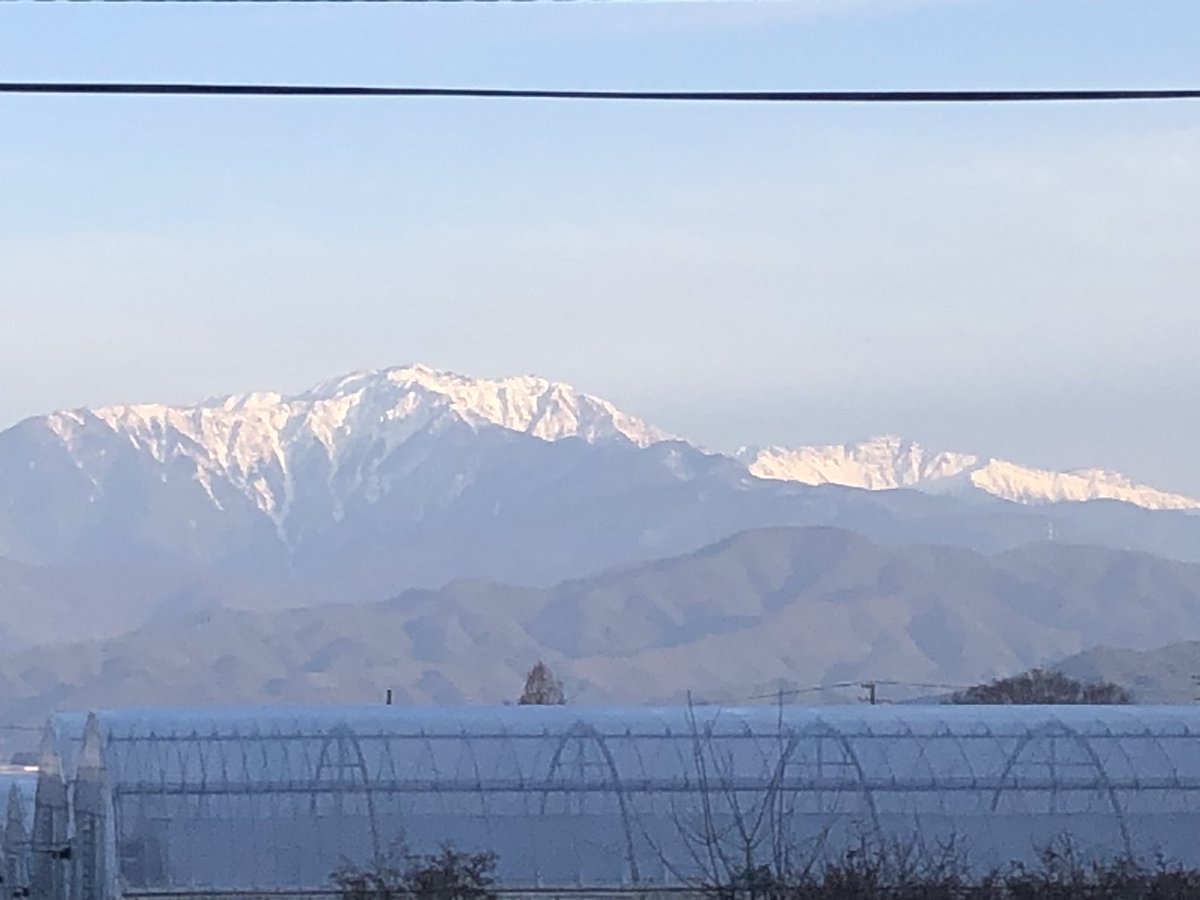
869 687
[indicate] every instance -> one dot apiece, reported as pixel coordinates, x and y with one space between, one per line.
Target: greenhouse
162 802
18 786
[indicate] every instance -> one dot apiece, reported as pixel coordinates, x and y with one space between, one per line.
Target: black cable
840 685
792 692
298 90
186 2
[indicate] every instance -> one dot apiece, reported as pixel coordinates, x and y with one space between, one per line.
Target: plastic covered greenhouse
253 801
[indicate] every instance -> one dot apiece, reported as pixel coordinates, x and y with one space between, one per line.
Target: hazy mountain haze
760 610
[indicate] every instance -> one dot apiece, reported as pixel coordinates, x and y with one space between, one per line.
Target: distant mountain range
769 608
380 481
346 441
889 462
1166 674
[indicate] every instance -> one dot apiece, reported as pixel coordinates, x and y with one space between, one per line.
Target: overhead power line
313 90
186 2
870 685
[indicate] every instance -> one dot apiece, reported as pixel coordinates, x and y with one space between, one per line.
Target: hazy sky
1016 280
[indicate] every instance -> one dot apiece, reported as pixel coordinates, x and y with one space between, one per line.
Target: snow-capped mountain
889 462
410 477
215 536
337 444
341 433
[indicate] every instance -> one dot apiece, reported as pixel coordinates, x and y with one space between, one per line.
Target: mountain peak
529 404
888 461
266 446
290 465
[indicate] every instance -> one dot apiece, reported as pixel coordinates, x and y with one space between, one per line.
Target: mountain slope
796 606
253 476
381 481
889 462
1161 675
66 603
278 454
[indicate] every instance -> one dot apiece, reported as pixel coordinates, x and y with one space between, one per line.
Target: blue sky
1014 280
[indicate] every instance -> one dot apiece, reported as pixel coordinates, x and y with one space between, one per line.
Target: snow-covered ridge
255 442
304 459
546 409
888 462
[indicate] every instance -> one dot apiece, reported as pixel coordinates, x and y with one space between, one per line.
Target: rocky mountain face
791 607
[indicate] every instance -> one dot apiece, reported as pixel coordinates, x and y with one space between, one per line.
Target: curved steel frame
756 766
1058 729
582 731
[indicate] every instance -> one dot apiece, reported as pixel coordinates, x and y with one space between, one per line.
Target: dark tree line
1043 686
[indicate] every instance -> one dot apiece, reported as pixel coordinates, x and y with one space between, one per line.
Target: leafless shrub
449 874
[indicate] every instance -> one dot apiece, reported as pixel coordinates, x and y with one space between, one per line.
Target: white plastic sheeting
18 788
247 799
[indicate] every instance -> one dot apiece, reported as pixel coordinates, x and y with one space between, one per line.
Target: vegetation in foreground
865 873
449 874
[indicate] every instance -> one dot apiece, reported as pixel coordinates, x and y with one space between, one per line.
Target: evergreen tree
542 688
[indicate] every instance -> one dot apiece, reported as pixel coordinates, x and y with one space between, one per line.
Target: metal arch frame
427 752
773 786
1151 739
194 739
776 784
822 729
223 758
919 741
469 745
218 764
343 737
946 734
583 731
777 800
1057 728
922 756
1107 734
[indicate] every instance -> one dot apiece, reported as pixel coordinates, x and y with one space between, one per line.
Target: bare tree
737 843
542 688
449 874
1043 686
